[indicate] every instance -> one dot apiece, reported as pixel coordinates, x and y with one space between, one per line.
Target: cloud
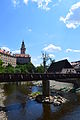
5 48
25 2
57 3
43 4
36 60
15 3
72 19
16 52
71 50
51 55
29 30
60 0
52 48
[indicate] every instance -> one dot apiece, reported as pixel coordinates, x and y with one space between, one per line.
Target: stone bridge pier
46 88
76 83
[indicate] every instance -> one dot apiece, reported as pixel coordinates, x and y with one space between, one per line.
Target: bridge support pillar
76 86
46 88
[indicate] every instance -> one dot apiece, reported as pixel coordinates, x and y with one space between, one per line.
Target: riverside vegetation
26 68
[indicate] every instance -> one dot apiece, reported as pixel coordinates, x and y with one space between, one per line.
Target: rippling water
19 107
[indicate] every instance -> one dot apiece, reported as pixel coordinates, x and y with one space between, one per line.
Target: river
19 107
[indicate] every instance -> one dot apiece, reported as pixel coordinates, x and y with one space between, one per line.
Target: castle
8 58
22 58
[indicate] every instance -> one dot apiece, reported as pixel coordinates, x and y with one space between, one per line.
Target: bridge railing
4 77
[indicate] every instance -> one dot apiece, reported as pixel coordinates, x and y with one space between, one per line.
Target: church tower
23 49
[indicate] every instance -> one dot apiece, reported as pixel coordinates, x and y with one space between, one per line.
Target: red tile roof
22 55
15 55
6 53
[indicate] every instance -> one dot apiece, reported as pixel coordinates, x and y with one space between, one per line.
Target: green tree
30 67
26 68
1 63
40 69
17 70
9 69
1 67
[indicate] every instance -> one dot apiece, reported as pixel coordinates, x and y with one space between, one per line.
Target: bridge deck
8 77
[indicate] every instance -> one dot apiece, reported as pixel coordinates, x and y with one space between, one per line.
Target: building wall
8 59
23 60
68 70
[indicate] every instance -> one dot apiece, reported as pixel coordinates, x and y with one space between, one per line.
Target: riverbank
56 85
57 91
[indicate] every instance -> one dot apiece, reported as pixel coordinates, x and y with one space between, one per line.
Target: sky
46 26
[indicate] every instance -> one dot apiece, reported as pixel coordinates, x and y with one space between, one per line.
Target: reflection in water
19 107
50 112
46 112
16 93
75 115
30 111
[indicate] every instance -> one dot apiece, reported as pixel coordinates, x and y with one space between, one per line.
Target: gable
58 66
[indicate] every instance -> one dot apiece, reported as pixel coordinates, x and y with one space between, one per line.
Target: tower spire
23 49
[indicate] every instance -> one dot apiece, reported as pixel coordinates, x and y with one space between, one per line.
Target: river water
19 107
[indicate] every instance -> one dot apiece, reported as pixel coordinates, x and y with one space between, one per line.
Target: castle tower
23 49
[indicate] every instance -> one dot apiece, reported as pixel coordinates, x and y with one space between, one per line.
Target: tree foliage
1 63
26 68
9 69
1 67
40 69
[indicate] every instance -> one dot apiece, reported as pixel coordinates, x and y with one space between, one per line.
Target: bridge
13 77
45 77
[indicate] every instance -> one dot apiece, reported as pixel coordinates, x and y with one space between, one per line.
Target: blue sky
52 26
